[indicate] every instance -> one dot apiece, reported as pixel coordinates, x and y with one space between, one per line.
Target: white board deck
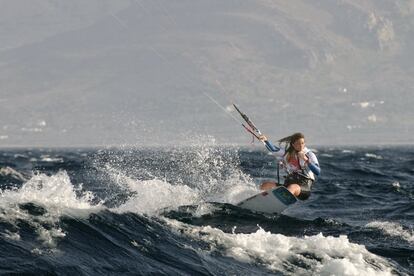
272 201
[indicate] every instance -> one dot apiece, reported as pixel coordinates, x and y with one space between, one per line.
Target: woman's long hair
289 141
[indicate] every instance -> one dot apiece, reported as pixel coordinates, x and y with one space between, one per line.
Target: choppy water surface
170 211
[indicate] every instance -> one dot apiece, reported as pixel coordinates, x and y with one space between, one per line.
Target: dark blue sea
170 211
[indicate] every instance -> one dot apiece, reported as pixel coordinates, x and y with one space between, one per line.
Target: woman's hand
262 138
302 156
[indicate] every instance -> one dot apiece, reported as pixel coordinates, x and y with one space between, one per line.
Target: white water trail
152 196
310 255
202 175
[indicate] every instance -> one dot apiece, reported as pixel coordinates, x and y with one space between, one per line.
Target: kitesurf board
271 201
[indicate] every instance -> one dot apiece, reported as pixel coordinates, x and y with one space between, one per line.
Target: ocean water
159 211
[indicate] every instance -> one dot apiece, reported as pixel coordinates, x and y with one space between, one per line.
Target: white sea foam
19 155
48 158
396 184
393 229
374 156
11 235
7 171
204 209
55 195
152 196
216 182
313 255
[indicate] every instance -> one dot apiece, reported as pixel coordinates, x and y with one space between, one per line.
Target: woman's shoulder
306 149
309 151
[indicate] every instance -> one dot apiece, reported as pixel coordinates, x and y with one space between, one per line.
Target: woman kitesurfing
300 163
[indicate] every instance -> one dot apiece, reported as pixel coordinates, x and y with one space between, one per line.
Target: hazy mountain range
136 72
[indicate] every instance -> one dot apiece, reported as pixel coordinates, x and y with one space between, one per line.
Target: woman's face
299 144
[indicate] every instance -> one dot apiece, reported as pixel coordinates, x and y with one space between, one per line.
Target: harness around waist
300 174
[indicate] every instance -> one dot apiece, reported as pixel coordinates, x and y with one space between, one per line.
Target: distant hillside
135 72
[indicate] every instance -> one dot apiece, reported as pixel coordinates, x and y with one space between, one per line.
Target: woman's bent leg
294 189
267 185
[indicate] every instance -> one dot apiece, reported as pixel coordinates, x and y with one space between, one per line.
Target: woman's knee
294 189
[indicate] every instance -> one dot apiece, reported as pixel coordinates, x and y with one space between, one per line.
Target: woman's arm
269 145
313 163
